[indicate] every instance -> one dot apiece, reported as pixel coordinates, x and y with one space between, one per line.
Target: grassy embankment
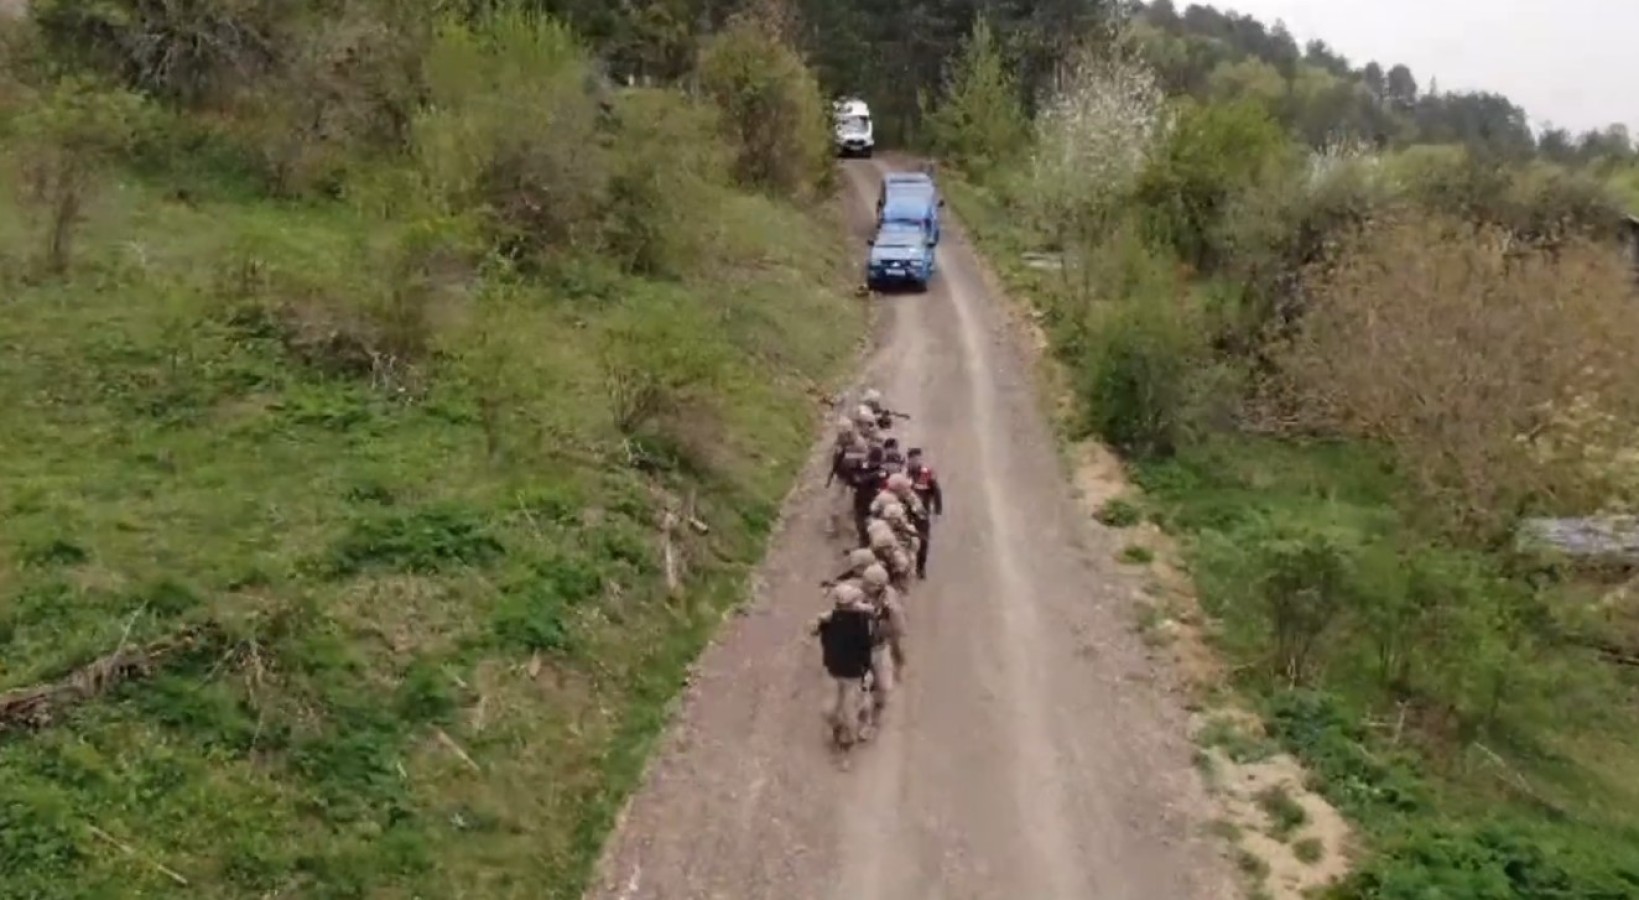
398 462
1339 390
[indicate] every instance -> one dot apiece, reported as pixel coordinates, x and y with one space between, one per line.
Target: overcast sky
1569 62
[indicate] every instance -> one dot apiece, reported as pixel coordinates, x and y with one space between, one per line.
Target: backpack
846 639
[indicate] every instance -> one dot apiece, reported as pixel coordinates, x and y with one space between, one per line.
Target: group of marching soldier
895 496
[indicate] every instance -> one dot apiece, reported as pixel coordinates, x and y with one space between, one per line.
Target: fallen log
33 707
1604 540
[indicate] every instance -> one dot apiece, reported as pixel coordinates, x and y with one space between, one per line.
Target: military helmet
876 576
846 594
882 538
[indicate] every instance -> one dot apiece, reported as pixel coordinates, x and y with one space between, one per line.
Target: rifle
836 463
885 417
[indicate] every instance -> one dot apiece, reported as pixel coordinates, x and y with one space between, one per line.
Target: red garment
926 485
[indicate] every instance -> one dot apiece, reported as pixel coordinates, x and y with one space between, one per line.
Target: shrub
772 109
1503 859
1536 204
1304 578
70 136
1497 377
1286 815
1212 152
1279 226
189 53
1544 203
1145 380
667 161
1119 513
348 86
1136 555
22 65
512 130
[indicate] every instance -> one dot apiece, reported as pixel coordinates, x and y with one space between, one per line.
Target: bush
22 66
1537 204
667 161
1095 133
1212 152
1278 227
1304 577
1119 513
1147 375
1497 377
1499 860
194 54
512 130
296 90
70 136
772 110
349 86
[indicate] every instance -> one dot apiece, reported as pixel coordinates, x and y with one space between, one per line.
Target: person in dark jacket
925 483
849 635
892 459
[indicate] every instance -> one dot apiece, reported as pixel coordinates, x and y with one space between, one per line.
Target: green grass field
434 638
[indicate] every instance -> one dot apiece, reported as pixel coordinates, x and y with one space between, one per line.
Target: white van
853 134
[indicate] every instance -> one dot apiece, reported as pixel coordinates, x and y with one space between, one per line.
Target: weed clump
1120 513
424 541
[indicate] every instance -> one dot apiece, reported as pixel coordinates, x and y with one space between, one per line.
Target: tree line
1323 96
899 55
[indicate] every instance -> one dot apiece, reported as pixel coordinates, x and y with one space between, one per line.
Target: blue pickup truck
902 255
912 198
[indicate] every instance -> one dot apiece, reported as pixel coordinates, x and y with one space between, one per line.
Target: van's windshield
854 123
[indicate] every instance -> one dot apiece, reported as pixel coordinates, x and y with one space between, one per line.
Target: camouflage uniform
890 551
886 600
909 538
899 489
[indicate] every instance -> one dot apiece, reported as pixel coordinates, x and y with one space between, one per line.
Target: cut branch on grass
668 550
450 744
130 851
35 706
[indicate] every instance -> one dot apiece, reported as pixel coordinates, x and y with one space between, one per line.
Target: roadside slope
437 628
1030 752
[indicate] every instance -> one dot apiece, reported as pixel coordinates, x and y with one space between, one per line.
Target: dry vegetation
1502 376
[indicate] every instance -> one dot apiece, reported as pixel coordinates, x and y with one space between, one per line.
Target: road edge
1169 616
754 593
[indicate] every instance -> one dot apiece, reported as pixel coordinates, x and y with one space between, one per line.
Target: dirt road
1029 754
